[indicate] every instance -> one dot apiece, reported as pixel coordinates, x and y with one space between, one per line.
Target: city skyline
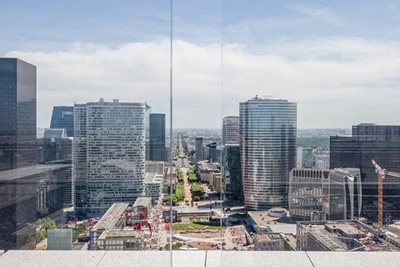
327 58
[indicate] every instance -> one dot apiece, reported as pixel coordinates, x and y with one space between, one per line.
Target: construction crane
382 173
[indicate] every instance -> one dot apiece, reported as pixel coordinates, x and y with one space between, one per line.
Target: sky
339 60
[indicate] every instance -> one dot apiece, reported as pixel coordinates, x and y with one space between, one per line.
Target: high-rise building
212 152
307 157
109 155
335 193
230 130
233 174
63 117
199 149
157 151
268 151
17 151
381 143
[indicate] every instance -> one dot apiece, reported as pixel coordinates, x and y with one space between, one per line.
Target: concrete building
217 181
336 193
206 170
155 167
268 151
322 162
268 242
17 151
230 130
116 231
109 155
199 149
382 143
307 157
341 236
232 174
157 150
63 118
153 185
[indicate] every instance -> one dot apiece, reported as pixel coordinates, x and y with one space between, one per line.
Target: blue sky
339 60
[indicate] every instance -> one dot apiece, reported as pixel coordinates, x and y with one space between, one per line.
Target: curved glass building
268 151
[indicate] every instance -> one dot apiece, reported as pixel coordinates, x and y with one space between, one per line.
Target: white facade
230 130
153 184
109 154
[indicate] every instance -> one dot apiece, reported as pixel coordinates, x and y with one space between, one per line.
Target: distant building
153 185
212 152
233 174
382 143
268 137
54 146
230 130
155 167
109 155
63 117
199 149
17 152
335 193
322 162
307 160
157 150
206 170
217 181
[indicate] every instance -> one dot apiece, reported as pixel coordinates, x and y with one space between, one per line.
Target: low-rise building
268 242
206 170
341 236
117 230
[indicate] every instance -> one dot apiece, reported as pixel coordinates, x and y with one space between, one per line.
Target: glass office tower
157 151
63 117
17 153
268 151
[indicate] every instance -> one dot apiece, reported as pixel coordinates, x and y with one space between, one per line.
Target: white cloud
336 82
318 12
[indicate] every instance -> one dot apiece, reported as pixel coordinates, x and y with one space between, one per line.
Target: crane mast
381 176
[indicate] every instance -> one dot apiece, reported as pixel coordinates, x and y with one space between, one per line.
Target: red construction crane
381 175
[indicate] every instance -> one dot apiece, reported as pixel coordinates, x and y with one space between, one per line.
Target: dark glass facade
17 151
233 174
381 143
212 152
63 117
157 151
